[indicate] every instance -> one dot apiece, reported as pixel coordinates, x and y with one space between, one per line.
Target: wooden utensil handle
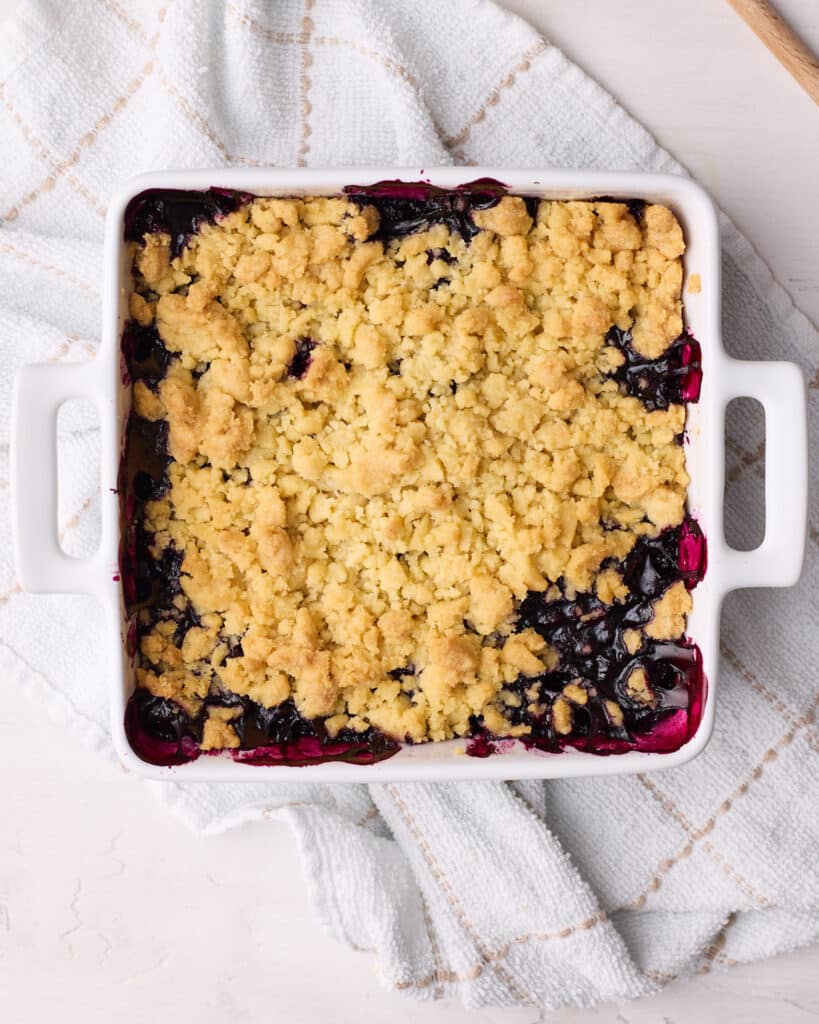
782 41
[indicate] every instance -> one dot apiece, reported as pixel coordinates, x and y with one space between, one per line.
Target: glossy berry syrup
144 357
161 732
178 213
675 377
143 477
405 207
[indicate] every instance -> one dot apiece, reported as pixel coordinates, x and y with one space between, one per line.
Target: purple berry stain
481 744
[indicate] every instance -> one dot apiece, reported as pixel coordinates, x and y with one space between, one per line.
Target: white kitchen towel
538 893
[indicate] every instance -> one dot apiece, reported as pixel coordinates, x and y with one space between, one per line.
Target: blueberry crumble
403 465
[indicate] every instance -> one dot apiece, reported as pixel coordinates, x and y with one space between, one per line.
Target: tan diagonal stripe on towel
435 948
709 957
260 29
7 595
288 38
61 166
745 459
17 588
671 809
489 957
74 521
736 876
135 26
365 818
734 660
64 348
494 96
202 123
381 58
32 138
25 257
50 180
699 833
448 975
198 120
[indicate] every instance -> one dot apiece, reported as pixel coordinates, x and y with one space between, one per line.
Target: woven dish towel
546 894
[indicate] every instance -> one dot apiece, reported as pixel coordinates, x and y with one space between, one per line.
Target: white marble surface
110 910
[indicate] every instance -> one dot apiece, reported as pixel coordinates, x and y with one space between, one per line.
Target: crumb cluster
378 449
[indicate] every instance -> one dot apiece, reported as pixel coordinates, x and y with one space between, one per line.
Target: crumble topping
380 447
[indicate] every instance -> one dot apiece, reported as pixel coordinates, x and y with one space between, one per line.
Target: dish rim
773 563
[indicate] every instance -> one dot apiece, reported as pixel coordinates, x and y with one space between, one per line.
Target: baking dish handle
780 389
39 391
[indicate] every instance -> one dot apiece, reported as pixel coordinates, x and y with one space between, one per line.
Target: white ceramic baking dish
40 390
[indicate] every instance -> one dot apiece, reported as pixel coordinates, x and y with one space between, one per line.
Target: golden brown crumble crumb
453 443
217 732
141 310
562 716
670 613
576 693
637 686
633 639
509 217
615 712
694 284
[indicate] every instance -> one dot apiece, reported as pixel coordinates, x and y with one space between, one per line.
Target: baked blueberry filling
591 638
610 681
592 644
178 213
405 208
144 355
676 376
161 732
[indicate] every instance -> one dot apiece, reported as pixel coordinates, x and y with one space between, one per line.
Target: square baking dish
40 391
